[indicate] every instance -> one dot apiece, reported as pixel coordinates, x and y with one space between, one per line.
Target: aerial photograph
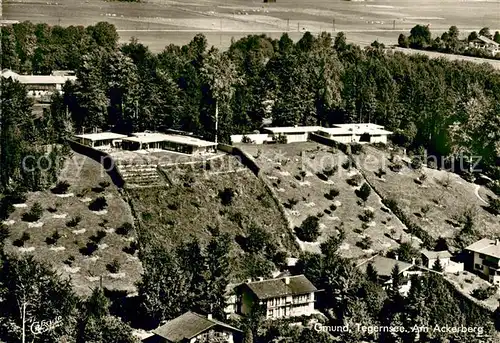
250 171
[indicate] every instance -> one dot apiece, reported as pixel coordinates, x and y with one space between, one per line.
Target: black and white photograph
250 171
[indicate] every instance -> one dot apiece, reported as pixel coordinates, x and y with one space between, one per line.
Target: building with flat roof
291 134
101 140
356 133
39 85
485 259
177 143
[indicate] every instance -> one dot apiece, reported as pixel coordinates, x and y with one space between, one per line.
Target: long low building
101 140
291 134
39 85
356 133
177 143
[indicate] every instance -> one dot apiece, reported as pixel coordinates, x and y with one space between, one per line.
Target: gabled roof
37 79
187 326
486 246
487 40
435 254
384 265
272 288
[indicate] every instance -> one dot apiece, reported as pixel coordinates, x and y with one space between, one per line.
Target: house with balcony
429 258
484 259
193 327
284 297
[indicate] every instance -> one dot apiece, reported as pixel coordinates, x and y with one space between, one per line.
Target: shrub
34 214
89 249
61 187
291 203
113 267
104 184
332 194
245 139
302 174
494 205
74 221
364 192
52 209
98 204
355 180
173 206
484 293
322 176
380 173
98 237
23 239
347 165
281 139
367 216
124 229
356 149
53 239
226 196
416 163
333 207
396 167
365 243
308 231
16 197
132 248
329 171
69 261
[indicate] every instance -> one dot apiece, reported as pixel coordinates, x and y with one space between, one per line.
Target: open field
83 174
282 163
445 194
191 206
158 23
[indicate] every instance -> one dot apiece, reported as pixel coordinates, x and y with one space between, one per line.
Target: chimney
413 261
209 316
396 257
287 280
497 241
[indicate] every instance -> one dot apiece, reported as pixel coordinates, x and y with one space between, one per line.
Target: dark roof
272 288
187 326
384 265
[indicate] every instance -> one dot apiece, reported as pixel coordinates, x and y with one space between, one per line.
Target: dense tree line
449 42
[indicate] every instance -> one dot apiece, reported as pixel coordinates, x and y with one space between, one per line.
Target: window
478 266
481 256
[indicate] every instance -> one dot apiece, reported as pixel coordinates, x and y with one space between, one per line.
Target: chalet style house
193 327
285 297
485 259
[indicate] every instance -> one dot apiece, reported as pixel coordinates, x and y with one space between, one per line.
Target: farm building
356 133
101 140
483 42
38 85
291 134
177 143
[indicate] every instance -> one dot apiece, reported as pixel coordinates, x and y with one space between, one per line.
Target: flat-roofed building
356 133
101 140
39 85
291 134
161 141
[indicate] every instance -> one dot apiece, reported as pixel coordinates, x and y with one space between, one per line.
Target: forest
448 108
449 42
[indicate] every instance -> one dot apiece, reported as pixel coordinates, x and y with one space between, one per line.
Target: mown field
158 23
192 207
84 176
282 165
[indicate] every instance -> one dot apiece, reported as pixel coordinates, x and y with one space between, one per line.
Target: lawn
282 164
84 176
192 207
438 202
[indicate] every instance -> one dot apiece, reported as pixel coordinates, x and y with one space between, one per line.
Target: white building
291 134
101 141
485 257
285 297
161 141
356 133
483 42
39 85
449 266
